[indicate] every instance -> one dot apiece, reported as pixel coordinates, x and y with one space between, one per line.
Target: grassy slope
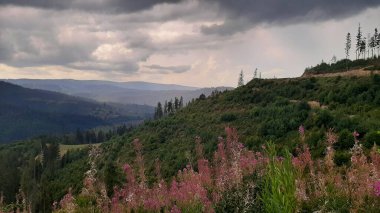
64 148
262 110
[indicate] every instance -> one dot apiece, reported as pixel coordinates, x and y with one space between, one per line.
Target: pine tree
358 42
372 45
159 110
348 45
241 79
377 41
166 108
79 137
158 113
255 73
101 137
170 107
362 48
333 59
176 103
180 102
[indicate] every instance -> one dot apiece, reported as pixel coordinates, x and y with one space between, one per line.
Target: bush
372 138
345 141
228 117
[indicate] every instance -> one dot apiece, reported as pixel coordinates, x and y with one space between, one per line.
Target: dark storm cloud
242 15
168 69
90 5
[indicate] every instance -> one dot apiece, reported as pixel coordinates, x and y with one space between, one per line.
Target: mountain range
143 93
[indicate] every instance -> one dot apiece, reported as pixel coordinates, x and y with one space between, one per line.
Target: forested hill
28 112
262 110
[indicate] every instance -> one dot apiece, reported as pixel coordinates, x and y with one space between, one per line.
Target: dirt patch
358 72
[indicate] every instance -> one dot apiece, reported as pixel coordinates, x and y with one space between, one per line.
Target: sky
200 43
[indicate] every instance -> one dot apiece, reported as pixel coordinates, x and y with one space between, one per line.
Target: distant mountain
29 112
69 85
119 92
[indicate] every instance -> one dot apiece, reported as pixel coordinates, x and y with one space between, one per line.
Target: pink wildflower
356 135
376 187
175 209
301 130
332 138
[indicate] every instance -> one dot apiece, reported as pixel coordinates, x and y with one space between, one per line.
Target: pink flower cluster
189 188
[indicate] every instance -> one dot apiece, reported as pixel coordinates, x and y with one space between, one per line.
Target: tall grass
278 193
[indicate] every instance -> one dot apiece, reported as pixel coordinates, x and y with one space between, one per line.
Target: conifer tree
372 45
377 41
241 79
180 102
158 111
166 108
170 107
348 45
176 103
362 48
255 73
358 42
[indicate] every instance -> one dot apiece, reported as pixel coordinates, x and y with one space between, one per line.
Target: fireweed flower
376 188
301 131
356 135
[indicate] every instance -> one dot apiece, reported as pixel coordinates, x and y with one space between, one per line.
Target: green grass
63 148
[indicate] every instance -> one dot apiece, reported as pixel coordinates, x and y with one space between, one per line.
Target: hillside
28 112
261 111
119 92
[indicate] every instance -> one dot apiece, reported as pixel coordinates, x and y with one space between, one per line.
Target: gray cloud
168 69
121 36
241 15
117 6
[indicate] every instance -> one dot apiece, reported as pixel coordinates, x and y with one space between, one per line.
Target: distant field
63 148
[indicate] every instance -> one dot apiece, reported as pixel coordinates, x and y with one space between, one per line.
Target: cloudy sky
190 42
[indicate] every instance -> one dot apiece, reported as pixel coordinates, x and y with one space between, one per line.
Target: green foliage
371 138
345 141
228 117
278 193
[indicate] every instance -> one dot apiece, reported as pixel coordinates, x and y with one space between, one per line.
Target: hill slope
262 110
28 112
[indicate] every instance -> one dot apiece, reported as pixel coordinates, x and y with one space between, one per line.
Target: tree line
365 47
169 107
95 136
